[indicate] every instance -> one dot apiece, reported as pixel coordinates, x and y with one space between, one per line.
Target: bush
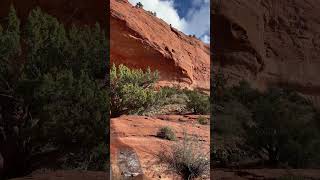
75 111
277 131
173 95
186 158
227 156
51 46
132 90
94 160
9 50
202 120
51 93
139 5
230 119
277 126
166 133
198 103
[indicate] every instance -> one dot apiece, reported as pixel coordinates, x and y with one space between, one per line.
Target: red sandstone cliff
269 42
140 40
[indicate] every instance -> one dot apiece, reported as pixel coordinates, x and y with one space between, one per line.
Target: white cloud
197 20
205 39
165 10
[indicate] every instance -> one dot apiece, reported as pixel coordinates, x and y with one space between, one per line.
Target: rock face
140 40
269 43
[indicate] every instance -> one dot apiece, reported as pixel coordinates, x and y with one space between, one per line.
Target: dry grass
186 158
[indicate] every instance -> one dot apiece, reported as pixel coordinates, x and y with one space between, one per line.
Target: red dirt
139 134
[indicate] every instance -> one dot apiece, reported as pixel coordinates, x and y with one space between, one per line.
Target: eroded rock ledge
140 40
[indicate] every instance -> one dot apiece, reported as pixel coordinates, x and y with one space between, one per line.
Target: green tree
10 49
51 103
74 113
87 50
198 102
284 129
46 40
132 90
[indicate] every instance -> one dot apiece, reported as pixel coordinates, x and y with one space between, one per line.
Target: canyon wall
269 43
139 39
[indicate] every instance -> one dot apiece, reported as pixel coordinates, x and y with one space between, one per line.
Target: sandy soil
138 134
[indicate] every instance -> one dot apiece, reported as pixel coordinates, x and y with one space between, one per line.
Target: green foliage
51 46
87 50
169 91
227 156
218 86
173 95
95 159
46 40
202 120
230 119
166 133
139 5
198 103
132 90
277 126
9 49
53 86
277 131
67 123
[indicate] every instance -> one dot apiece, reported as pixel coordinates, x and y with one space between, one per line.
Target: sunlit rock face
139 39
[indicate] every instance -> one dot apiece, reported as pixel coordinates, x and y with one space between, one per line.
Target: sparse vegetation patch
186 158
167 133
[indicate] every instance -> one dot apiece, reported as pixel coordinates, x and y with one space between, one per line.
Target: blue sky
189 16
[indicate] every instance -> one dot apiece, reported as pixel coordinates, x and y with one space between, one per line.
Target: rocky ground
134 143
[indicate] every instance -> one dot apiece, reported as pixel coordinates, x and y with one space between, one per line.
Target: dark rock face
269 43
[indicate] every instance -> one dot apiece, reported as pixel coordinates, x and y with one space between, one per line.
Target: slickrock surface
137 134
140 40
269 42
